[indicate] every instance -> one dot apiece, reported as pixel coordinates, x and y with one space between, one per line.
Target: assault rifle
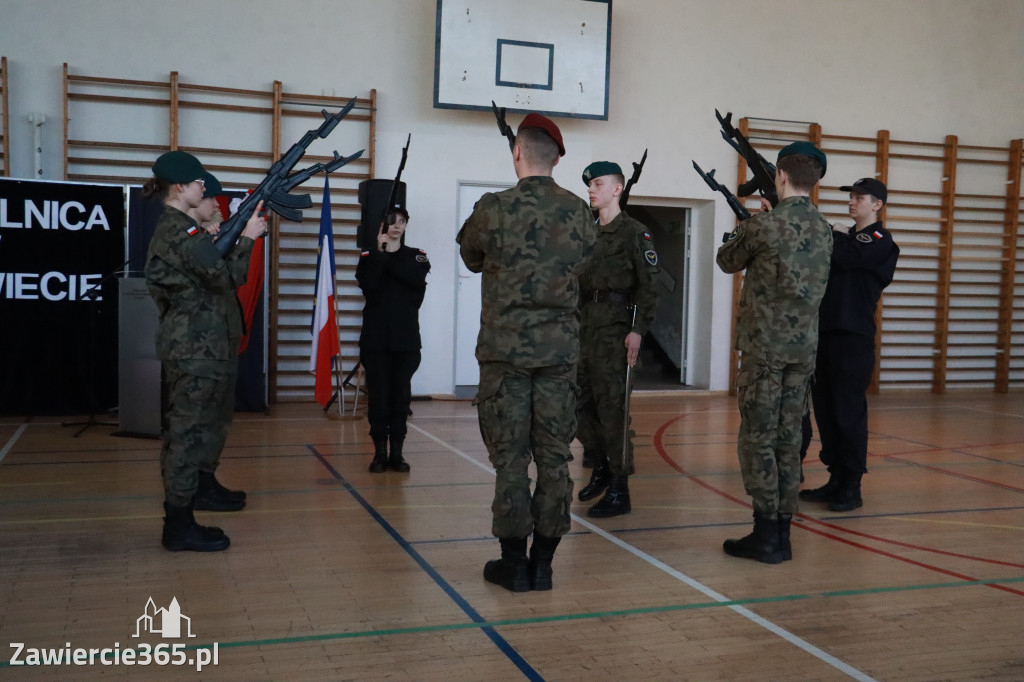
637 169
503 127
273 190
764 171
737 207
394 188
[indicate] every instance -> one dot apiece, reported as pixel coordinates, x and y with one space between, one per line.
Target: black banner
61 247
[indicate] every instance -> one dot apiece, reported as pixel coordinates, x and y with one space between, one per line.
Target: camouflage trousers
524 413
200 405
602 380
772 400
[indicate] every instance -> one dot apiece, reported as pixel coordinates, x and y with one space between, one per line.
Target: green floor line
335 636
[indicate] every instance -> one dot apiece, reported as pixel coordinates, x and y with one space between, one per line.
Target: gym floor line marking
500 642
11 441
616 613
802 644
802 521
947 522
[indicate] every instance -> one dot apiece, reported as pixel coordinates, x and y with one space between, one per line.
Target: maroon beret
545 124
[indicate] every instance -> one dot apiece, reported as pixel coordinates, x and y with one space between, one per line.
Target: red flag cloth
250 292
324 327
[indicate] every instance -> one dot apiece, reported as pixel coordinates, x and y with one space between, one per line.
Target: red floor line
659 447
955 474
806 518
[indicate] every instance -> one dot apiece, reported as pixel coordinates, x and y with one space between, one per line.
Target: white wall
919 68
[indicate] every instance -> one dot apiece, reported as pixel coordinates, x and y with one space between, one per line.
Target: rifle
503 127
764 171
738 208
273 189
637 169
394 188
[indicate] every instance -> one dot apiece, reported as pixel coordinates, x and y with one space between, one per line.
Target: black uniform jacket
863 263
393 285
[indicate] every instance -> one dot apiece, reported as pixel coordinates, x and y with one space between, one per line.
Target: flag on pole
325 326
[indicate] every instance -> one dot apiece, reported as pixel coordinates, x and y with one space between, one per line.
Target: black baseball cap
875 188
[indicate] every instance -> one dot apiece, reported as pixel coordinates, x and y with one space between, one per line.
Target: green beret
807 149
599 169
178 167
212 184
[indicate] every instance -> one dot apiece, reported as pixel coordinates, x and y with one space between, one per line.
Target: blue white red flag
325 325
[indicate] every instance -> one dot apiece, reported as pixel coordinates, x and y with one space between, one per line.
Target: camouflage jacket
624 261
786 254
194 289
530 242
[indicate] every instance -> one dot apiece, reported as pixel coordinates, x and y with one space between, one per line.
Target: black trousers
388 382
842 375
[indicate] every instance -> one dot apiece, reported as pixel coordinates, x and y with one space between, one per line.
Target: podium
138 365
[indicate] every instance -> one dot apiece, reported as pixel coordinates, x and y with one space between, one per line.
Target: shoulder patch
878 234
647 236
364 253
866 238
651 256
192 230
422 257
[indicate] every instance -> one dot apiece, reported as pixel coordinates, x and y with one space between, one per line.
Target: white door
467 294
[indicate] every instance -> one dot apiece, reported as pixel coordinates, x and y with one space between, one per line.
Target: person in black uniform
863 262
393 279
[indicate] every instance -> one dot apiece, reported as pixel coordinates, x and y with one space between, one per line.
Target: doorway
663 355
467 297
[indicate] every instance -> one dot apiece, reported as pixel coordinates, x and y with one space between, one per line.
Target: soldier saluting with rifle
193 281
393 278
784 253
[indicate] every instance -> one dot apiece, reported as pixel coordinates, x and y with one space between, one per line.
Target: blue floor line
491 633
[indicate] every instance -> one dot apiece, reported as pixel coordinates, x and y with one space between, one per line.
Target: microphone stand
92 294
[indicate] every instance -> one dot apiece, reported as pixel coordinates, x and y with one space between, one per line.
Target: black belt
598 295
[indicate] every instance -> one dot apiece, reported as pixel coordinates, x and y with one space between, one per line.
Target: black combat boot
212 496
615 500
599 479
590 458
512 570
784 544
181 532
380 456
825 492
847 496
396 462
761 545
541 553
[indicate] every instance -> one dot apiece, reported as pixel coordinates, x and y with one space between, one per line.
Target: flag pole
339 390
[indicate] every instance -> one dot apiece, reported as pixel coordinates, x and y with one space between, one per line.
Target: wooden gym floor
338 574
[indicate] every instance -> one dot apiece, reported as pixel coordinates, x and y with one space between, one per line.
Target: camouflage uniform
198 338
530 242
624 265
786 254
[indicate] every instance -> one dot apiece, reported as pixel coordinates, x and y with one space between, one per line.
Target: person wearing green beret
197 342
785 253
618 295
207 214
